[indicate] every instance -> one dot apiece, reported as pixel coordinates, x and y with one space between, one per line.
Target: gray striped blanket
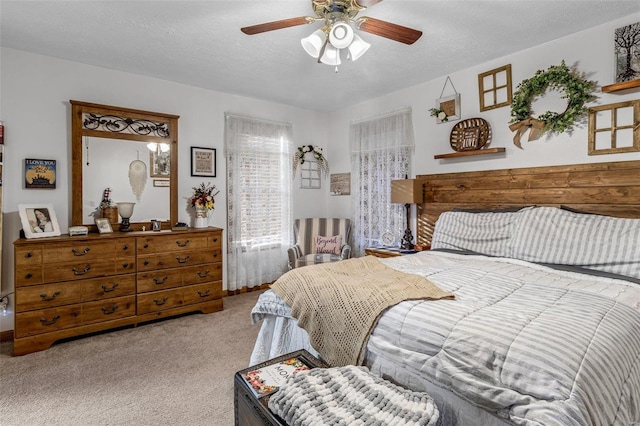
532 345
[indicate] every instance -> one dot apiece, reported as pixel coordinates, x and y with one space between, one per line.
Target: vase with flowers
202 201
318 155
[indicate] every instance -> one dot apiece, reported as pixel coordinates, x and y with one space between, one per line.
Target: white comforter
529 344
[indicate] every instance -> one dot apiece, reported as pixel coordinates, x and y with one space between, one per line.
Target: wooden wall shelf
466 153
625 85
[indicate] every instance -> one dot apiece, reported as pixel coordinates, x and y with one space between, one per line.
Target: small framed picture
451 106
156 225
38 220
104 225
203 161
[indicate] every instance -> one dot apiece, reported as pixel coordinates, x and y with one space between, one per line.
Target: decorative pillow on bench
332 245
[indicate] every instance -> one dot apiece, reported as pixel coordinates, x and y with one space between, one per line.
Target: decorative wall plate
470 134
387 238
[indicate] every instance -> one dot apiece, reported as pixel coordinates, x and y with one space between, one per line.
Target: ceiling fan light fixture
341 35
313 43
331 56
358 47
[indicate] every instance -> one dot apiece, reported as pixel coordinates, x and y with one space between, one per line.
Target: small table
253 410
387 251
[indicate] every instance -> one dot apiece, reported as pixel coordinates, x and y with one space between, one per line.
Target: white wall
36 112
592 50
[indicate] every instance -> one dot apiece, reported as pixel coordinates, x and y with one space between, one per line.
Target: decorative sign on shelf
470 134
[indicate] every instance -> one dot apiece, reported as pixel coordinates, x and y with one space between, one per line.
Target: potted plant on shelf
202 201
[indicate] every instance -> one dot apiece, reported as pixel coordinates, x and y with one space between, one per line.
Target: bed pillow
331 245
592 241
500 210
483 233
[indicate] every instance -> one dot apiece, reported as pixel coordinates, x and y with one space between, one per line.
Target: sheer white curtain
259 221
381 149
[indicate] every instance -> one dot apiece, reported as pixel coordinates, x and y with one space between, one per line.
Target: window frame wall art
203 161
491 83
613 119
29 220
310 177
39 174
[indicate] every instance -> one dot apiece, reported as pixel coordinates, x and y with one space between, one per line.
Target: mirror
131 152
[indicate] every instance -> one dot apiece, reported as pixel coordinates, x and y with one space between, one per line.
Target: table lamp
126 211
407 192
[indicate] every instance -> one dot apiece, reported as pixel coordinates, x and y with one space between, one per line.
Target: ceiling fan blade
388 30
277 25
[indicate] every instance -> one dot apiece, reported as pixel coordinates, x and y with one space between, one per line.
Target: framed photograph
451 106
104 225
156 225
203 161
159 163
627 52
161 183
38 220
39 174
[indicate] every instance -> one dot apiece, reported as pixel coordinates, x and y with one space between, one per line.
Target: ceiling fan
339 17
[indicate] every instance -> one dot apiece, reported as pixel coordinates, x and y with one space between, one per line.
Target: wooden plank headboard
605 188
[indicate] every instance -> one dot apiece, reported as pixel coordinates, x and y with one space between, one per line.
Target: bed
545 325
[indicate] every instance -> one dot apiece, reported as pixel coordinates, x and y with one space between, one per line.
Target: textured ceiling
199 43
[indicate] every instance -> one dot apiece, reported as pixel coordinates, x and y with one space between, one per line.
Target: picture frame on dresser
104 225
38 220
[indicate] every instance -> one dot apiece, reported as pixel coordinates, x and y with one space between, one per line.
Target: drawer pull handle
215 254
162 281
205 275
146 262
28 255
205 294
49 299
84 271
44 321
146 245
125 247
186 243
161 302
29 275
77 253
215 240
186 258
108 311
125 265
109 290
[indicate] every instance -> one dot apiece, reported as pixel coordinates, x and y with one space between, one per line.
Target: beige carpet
174 372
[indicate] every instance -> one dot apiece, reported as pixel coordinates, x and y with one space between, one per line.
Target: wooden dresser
69 286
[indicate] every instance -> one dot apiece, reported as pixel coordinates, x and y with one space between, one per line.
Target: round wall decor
470 134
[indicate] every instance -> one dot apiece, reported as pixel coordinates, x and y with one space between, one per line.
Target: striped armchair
306 232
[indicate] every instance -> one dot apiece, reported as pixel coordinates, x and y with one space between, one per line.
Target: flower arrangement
203 196
298 158
439 114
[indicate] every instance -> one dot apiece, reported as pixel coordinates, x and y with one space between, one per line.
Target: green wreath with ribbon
576 90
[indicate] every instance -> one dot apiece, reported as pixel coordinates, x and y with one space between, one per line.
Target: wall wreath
576 89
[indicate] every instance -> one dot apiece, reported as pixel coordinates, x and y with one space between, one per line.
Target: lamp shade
331 56
313 43
341 35
357 47
406 191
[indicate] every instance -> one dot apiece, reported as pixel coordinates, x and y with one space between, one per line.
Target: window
259 179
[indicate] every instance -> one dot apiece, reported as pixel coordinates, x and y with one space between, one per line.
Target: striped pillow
485 233
602 243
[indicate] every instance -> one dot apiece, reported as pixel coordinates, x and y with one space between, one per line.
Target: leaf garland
575 89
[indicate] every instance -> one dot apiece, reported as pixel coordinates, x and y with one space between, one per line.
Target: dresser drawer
159 280
107 310
202 273
171 243
202 293
28 256
82 269
82 251
159 301
47 296
178 259
47 320
215 241
109 287
29 275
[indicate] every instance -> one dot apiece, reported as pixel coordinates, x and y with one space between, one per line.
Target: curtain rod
382 115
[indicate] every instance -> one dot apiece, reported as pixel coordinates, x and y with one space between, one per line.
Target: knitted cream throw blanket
339 303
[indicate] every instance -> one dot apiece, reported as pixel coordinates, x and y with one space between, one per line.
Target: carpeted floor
174 372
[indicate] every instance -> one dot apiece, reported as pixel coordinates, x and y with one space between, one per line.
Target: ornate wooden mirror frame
104 121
